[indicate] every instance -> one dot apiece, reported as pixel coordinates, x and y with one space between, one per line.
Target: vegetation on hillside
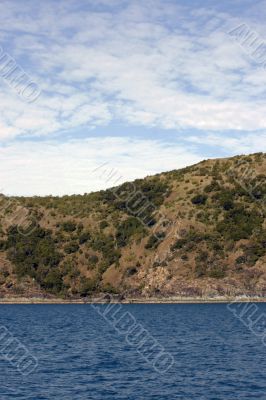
212 238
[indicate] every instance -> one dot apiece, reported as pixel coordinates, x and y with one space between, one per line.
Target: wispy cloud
251 142
164 65
152 64
41 168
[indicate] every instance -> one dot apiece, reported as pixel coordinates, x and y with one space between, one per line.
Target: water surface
81 356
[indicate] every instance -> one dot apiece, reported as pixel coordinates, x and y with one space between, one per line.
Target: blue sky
137 86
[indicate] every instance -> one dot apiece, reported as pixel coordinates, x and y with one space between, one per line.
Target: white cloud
149 63
41 168
241 144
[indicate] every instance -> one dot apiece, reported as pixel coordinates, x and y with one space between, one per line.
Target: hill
197 231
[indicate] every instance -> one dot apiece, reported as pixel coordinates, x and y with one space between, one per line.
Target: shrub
35 255
131 226
103 224
53 281
200 270
84 237
93 259
69 226
80 227
254 250
106 245
71 247
108 288
87 287
131 271
203 256
241 260
217 273
140 197
239 224
225 199
179 243
212 187
154 241
203 171
199 199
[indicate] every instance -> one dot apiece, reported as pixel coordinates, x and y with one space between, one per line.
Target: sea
132 351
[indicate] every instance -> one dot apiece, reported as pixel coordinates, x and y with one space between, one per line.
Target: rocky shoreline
150 300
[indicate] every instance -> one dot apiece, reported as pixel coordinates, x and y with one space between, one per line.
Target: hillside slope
198 231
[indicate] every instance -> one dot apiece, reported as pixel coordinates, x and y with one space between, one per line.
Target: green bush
212 187
53 281
202 256
71 247
107 246
35 255
241 260
179 243
69 226
217 273
199 199
225 199
84 237
93 259
131 271
200 270
154 241
239 223
108 288
127 228
103 224
87 287
141 197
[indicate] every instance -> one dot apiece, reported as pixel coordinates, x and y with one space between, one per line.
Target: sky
115 90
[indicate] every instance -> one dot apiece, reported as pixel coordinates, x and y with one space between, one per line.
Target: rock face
199 231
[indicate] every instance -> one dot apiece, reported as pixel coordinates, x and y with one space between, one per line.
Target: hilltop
197 231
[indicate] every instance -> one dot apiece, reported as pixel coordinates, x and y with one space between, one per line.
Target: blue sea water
82 356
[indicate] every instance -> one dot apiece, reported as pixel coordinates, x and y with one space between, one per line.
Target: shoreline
170 300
